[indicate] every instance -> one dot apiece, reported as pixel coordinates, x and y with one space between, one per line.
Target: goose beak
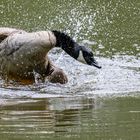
94 63
91 61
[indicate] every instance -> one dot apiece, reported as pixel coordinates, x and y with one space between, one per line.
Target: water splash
119 76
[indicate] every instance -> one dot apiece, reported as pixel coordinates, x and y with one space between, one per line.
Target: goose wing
5 32
8 44
35 42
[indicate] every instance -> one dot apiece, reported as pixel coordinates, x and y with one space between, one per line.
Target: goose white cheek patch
81 58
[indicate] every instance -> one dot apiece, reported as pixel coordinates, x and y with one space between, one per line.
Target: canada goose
23 52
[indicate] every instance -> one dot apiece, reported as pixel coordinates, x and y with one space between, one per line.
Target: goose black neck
66 43
80 53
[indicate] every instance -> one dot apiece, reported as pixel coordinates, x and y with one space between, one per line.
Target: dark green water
71 118
95 104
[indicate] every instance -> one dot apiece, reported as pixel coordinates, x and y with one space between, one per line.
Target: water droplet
39 17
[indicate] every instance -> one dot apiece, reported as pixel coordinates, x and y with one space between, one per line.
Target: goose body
23 52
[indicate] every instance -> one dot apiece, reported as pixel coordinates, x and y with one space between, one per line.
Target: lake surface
95 104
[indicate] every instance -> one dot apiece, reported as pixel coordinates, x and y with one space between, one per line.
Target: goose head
78 52
85 55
